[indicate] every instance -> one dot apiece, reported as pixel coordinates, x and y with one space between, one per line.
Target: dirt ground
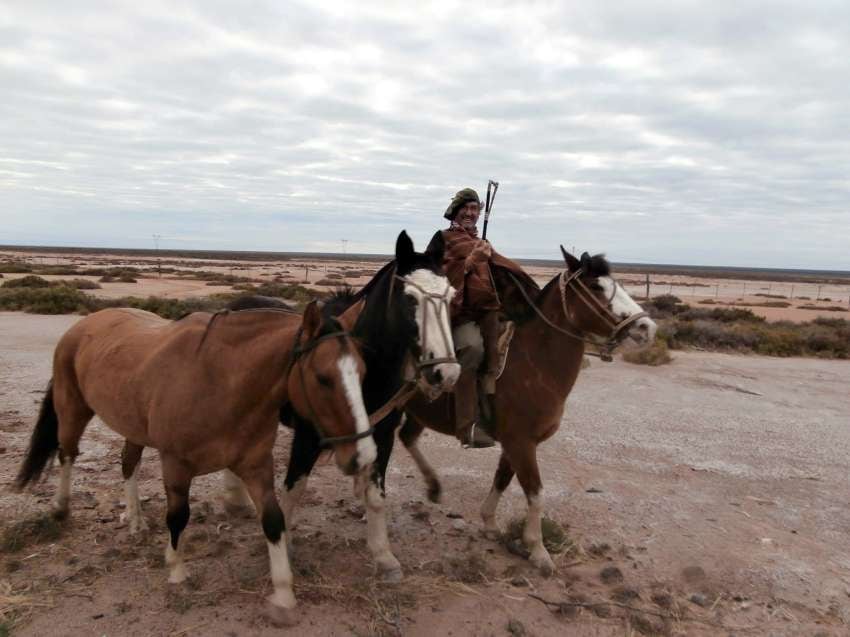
709 495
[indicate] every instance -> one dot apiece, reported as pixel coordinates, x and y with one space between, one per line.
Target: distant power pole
344 246
156 239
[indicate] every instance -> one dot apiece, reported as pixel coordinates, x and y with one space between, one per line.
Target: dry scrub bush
654 354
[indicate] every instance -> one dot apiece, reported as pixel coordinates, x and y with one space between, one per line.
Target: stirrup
478 438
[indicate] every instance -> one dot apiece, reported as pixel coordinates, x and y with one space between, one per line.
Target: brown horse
206 392
543 363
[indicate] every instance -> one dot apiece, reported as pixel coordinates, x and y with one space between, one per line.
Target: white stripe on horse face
427 312
622 305
367 452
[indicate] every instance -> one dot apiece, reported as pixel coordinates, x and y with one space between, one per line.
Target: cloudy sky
684 132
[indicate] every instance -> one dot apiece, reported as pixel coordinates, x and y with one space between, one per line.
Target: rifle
488 206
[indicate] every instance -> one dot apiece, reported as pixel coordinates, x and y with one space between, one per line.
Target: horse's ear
312 321
586 262
404 252
573 264
436 248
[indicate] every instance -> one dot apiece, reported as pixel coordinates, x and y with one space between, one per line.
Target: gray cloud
657 133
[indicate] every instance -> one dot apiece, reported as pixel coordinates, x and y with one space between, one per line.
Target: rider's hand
483 249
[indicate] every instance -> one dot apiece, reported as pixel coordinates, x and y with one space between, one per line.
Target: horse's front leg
259 481
409 436
523 458
374 498
503 477
304 452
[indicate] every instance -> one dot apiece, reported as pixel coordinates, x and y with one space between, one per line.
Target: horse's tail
44 442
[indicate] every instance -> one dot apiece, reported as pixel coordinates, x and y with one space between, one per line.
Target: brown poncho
469 272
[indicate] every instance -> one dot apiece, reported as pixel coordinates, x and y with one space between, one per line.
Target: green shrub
50 300
15 267
29 281
823 337
78 284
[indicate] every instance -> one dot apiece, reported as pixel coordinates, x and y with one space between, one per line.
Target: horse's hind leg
409 436
237 502
523 458
177 478
503 477
73 415
259 480
130 457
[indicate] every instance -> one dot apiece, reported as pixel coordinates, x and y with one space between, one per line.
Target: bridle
603 311
299 351
440 305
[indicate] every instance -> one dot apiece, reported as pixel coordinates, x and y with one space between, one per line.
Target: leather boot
465 413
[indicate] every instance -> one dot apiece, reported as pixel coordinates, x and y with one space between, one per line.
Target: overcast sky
676 132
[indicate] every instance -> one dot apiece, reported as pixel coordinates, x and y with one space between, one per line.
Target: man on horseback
475 313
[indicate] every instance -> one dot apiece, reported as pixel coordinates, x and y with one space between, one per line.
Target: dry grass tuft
653 354
38 528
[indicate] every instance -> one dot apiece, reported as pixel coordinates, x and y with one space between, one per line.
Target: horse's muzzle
439 378
643 330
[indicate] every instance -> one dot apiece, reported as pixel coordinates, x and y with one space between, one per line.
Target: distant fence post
647 287
716 290
792 291
820 287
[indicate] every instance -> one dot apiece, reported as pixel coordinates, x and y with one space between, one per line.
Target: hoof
392 576
544 564
280 616
492 533
138 526
60 513
177 575
435 492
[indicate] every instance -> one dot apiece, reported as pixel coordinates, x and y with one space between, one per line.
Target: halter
603 311
300 350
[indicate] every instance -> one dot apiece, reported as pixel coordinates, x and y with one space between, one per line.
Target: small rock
459 525
699 599
593 490
516 628
519 582
454 516
2 450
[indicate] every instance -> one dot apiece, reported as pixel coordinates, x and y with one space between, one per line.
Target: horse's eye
325 381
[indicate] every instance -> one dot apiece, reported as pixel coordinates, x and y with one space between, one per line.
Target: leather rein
603 311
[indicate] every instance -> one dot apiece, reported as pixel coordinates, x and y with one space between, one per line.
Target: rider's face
468 215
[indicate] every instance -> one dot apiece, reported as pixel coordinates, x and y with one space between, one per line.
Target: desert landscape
701 497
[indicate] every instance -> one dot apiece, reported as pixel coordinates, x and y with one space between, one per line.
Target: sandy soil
717 478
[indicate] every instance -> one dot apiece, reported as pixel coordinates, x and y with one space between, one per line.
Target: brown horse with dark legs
206 392
545 357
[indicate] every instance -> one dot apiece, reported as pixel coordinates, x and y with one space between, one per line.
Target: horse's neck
557 356
383 353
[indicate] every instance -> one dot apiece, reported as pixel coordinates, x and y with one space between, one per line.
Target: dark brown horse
206 393
579 305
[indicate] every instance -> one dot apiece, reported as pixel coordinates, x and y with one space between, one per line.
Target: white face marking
367 452
623 306
427 316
